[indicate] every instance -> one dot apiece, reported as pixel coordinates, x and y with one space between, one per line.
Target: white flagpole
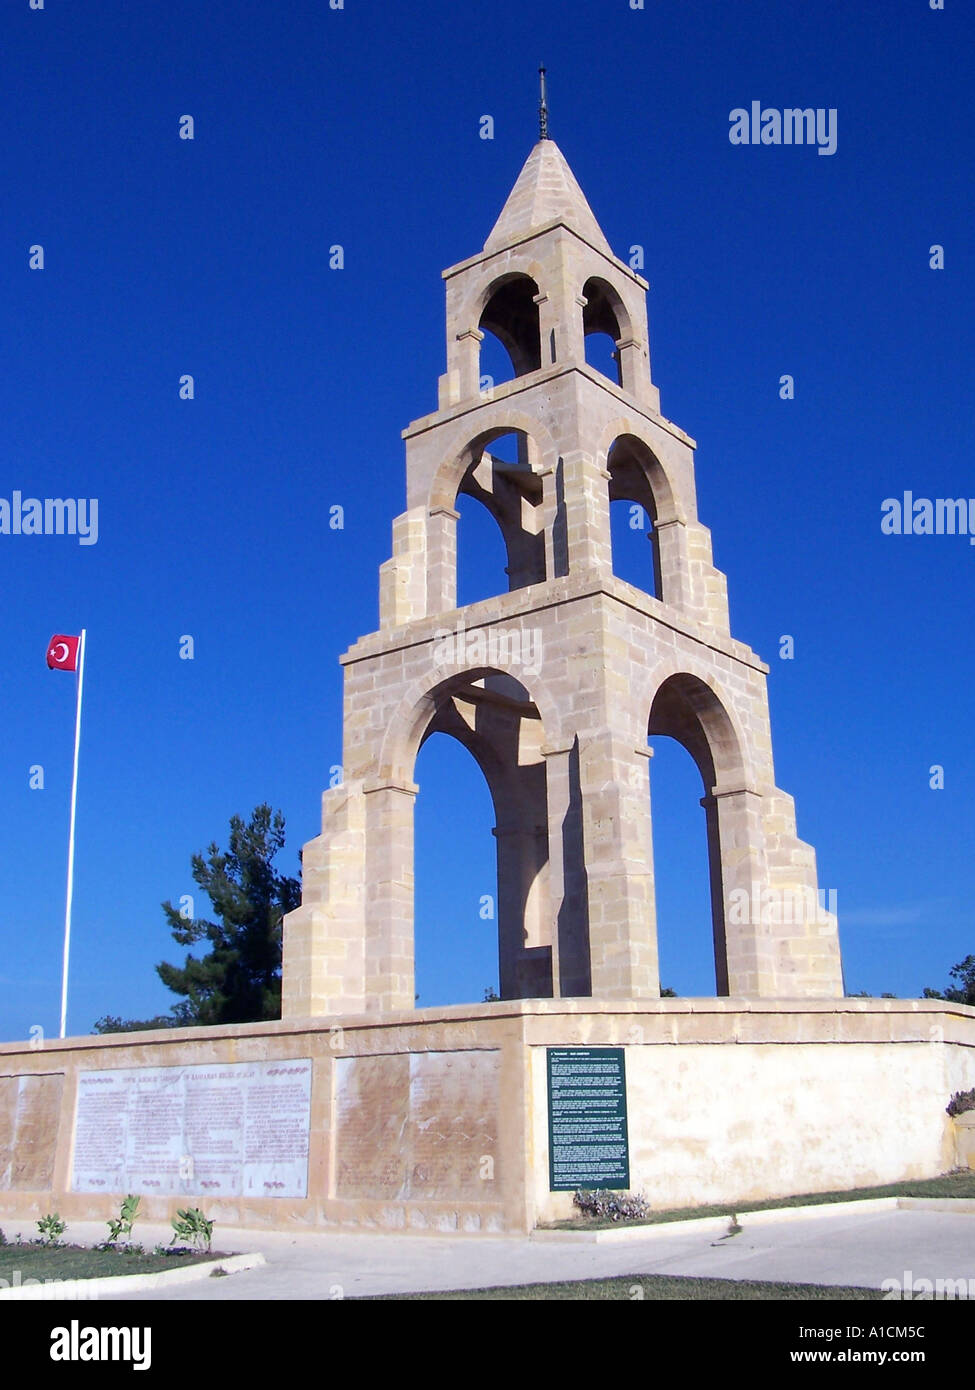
74 803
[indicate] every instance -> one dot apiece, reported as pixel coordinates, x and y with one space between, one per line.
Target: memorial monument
357 1110
564 747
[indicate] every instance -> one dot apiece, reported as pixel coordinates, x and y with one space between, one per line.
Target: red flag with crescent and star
62 652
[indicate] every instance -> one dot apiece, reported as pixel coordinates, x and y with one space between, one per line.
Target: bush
960 1102
121 1225
191 1225
52 1228
618 1206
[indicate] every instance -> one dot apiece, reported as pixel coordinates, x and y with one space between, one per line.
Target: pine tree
964 991
239 979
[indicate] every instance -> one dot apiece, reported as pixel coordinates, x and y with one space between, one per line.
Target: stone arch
509 311
404 732
605 312
449 476
491 713
636 476
691 710
667 502
479 295
511 490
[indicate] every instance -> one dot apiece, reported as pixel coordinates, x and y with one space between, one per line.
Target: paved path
852 1248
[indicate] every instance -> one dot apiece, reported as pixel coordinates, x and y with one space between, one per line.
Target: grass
960 1184
37 1261
651 1287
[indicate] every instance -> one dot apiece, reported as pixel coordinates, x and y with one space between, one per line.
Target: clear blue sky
361 127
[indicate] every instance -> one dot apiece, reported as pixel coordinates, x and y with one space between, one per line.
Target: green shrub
121 1225
192 1226
52 1228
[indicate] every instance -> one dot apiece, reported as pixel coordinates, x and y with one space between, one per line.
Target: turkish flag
62 652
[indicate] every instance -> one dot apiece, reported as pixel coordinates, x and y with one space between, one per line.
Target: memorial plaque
421 1126
232 1129
588 1144
30 1110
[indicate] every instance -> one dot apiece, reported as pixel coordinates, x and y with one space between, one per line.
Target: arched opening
632 537
481 553
494 365
501 479
493 717
455 907
685 942
510 316
633 516
689 712
602 318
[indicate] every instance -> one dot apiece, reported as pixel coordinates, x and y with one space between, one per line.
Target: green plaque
588 1145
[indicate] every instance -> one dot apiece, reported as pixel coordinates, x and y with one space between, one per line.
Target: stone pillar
323 968
629 355
442 560
671 563
739 873
586 500
634 360
619 869
467 361
559 903
572 337
525 957
555 522
402 578
547 330
389 953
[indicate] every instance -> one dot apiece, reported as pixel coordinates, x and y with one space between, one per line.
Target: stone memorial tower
485 1117
555 686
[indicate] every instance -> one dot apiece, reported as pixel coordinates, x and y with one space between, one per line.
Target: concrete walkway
835 1247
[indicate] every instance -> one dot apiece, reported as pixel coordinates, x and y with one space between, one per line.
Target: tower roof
546 191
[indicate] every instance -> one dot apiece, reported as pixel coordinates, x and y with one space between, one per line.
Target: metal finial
543 108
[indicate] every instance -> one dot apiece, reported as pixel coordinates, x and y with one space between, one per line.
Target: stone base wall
436 1120
965 1139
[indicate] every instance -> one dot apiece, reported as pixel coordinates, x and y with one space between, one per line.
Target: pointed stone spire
546 191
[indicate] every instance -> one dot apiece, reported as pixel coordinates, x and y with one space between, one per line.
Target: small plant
191 1225
121 1225
3 1238
52 1228
960 1102
618 1206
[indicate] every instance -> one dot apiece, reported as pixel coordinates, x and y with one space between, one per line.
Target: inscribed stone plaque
422 1125
587 1133
30 1113
226 1129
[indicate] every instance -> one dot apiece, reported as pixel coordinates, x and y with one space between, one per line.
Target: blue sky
360 127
